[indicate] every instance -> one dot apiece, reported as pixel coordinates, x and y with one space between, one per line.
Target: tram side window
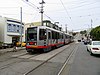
58 35
42 34
49 35
66 36
61 36
53 35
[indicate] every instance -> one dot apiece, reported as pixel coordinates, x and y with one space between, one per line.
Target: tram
44 38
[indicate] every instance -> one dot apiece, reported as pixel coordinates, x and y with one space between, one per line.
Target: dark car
79 40
86 41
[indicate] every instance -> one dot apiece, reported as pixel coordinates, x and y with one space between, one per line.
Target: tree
95 33
74 34
83 32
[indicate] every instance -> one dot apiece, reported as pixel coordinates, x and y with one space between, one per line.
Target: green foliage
1 42
95 33
74 34
83 32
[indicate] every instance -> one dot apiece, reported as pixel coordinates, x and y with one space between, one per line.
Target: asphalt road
84 64
81 63
53 66
20 62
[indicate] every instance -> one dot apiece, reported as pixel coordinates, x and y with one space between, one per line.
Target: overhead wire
84 5
13 8
77 4
66 12
7 7
36 8
69 3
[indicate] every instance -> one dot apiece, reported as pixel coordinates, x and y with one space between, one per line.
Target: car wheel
87 50
91 53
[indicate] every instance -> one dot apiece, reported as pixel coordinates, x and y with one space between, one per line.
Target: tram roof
45 27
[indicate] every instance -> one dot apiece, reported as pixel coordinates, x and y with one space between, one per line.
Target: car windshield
96 43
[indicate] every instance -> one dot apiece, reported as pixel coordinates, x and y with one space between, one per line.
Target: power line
77 4
31 4
8 14
8 7
66 11
84 5
69 3
36 8
49 17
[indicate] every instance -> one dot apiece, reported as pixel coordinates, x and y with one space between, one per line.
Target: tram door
49 40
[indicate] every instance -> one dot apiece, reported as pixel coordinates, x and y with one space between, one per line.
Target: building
10 30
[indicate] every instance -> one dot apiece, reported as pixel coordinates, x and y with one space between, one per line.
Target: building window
17 29
9 28
14 28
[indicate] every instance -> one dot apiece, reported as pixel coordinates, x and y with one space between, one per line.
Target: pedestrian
14 46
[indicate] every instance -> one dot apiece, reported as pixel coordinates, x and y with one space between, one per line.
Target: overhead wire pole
21 25
91 23
42 12
66 28
37 8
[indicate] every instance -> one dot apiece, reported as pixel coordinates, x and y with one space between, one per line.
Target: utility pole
42 11
66 28
91 23
21 25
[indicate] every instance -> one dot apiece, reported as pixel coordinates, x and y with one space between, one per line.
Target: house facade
10 30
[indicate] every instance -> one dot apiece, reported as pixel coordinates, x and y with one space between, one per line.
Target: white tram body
45 38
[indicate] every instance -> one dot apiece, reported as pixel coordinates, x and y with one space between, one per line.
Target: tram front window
32 34
42 34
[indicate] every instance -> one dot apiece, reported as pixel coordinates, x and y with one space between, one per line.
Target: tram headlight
35 43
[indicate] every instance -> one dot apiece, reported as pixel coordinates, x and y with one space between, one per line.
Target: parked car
3 45
19 44
94 47
79 40
87 41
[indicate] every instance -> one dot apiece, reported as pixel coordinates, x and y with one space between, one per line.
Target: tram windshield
32 34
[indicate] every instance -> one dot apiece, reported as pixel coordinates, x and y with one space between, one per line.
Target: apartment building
10 30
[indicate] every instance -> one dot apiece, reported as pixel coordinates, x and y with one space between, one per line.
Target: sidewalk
10 50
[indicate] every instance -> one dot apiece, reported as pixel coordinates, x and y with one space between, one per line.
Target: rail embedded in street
44 62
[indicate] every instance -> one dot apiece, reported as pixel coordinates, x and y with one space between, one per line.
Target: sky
75 14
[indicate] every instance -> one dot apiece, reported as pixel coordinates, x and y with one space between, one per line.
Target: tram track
36 58
15 61
67 61
28 72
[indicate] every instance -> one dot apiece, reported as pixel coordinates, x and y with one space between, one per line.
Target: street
50 63
84 63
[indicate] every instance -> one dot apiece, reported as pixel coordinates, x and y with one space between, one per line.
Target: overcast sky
76 14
